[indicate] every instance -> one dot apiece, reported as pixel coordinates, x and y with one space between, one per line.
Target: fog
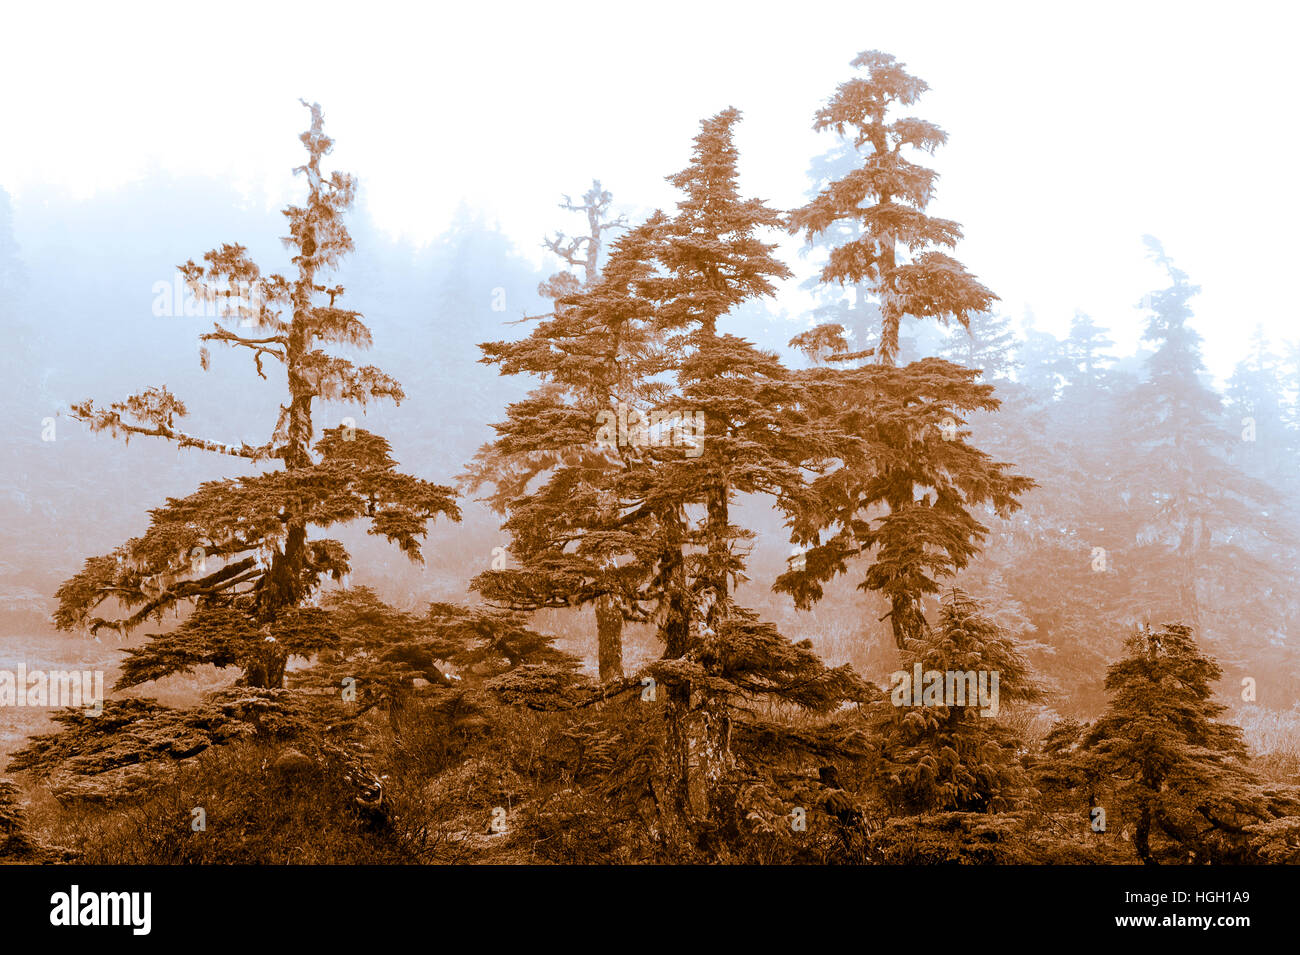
1122 182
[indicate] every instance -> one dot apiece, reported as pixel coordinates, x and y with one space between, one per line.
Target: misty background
1072 135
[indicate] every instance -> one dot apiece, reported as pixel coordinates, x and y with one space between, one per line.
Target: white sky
1073 129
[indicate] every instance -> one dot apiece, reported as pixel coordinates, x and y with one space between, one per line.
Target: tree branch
112 420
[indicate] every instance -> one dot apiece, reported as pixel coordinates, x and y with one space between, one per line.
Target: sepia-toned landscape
692 527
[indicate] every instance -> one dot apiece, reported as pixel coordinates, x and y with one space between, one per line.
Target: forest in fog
461 553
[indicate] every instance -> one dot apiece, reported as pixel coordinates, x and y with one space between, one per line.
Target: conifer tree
1289 372
1256 406
896 253
1257 412
1199 534
391 657
950 752
381 650
1042 363
714 418
901 487
854 314
1085 469
1062 421
1162 753
712 259
580 352
1085 353
987 344
899 482
237 550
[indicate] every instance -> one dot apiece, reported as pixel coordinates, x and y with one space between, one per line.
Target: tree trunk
905 616
675 631
1142 837
609 639
719 553
282 585
266 668
906 619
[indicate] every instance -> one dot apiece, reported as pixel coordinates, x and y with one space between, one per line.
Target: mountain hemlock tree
986 344
858 315
895 253
1181 442
1202 530
380 649
722 668
238 550
1160 748
1042 361
714 418
450 654
897 480
595 205
1086 354
956 758
712 260
578 357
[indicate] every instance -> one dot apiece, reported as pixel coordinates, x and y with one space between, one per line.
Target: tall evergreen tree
713 259
1085 354
1198 531
712 418
1087 468
1042 362
848 306
899 482
1257 407
237 550
580 352
1289 373
896 251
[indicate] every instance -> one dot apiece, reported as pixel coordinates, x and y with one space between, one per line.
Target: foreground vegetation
357 731
529 763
